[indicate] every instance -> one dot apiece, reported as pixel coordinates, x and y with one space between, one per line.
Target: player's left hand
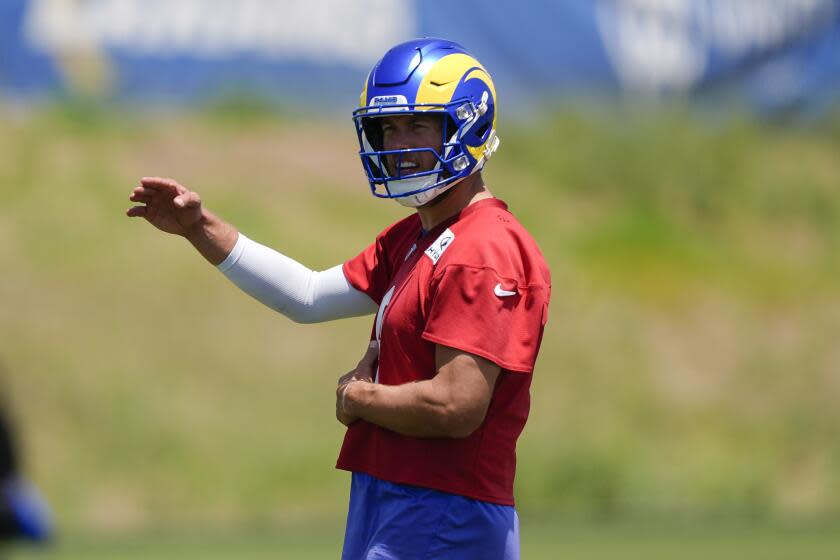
364 372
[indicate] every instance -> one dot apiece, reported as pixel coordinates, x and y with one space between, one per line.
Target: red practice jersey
476 282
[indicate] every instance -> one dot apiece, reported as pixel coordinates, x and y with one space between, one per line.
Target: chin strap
420 199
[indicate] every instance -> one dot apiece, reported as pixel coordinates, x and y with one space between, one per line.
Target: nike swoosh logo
502 293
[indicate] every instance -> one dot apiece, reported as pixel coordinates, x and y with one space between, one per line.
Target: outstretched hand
166 204
363 373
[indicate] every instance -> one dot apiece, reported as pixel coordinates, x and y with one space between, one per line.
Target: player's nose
399 139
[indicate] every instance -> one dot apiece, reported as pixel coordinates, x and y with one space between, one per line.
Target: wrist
355 397
212 237
198 231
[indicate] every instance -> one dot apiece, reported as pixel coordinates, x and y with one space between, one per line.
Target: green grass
689 369
540 542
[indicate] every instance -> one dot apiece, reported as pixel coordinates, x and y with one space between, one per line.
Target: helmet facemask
412 188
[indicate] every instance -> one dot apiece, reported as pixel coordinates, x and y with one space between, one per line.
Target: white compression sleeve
285 285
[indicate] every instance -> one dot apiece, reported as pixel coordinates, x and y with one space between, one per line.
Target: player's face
412 131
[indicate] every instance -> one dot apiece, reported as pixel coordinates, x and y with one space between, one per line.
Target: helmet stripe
443 78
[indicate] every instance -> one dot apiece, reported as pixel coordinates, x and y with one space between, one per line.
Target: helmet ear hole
481 133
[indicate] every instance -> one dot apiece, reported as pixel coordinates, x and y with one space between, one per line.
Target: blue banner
776 55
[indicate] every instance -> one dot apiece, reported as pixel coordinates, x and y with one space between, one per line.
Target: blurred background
677 161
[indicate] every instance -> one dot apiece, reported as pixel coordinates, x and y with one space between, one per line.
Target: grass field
690 368
540 542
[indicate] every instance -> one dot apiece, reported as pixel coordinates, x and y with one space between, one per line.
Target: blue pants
388 521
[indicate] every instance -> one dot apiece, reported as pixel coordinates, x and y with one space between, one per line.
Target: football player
460 293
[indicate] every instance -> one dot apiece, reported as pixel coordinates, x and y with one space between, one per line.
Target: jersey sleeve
371 271
368 271
476 310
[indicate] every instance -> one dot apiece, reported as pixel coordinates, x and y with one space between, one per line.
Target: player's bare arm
364 371
171 207
452 404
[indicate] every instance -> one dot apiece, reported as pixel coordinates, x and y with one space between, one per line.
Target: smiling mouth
404 167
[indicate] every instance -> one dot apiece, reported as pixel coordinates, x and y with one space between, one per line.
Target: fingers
136 212
144 191
153 187
145 199
162 184
361 373
344 379
188 199
365 369
364 374
344 418
340 410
